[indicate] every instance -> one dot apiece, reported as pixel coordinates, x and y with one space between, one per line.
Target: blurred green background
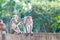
45 13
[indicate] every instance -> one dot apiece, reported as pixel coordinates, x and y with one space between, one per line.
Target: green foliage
45 13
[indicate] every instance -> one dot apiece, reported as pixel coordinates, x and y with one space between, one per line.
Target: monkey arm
19 23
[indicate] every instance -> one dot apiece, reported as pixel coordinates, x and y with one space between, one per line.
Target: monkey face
28 19
15 16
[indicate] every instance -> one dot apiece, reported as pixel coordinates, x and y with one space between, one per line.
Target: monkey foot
27 34
31 34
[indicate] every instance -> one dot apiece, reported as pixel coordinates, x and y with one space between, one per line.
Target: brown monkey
28 24
14 25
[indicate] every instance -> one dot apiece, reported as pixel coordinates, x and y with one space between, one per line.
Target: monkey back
2 27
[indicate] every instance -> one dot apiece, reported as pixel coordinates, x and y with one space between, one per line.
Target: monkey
14 29
2 29
28 24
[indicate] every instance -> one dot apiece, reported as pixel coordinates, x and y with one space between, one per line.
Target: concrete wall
35 36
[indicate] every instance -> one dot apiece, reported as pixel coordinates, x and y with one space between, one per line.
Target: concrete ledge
35 36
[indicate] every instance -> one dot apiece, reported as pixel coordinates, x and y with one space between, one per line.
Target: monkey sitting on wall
28 24
14 25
